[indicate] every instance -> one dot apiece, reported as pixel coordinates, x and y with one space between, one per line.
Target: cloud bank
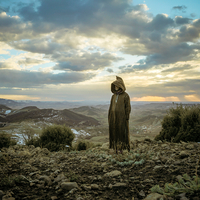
88 40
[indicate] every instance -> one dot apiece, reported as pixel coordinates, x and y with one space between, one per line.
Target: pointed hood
119 83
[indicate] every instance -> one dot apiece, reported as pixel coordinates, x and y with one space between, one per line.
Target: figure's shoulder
126 95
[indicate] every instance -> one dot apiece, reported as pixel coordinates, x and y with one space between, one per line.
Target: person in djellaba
118 117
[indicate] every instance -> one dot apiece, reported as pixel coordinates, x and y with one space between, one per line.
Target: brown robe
118 117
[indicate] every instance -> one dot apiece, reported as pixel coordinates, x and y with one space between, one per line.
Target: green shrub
6 141
54 138
181 123
33 141
83 145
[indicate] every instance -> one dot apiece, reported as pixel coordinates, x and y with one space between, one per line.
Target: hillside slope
32 113
89 111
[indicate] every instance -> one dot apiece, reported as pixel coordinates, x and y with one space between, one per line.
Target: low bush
181 124
28 134
33 141
54 138
83 145
6 141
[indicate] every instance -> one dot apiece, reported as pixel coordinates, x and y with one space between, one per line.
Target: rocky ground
35 173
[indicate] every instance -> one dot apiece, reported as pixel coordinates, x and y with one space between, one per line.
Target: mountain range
59 105
33 113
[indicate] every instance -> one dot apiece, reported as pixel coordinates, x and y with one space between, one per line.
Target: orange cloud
155 98
192 98
19 97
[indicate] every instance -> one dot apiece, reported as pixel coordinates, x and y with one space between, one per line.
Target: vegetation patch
83 145
54 138
185 184
181 124
6 141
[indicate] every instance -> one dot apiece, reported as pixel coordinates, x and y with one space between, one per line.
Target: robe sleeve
110 108
127 106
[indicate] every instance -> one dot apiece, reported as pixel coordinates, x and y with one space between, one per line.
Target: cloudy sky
71 50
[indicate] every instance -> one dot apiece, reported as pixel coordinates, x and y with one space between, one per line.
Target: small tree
6 141
56 137
181 123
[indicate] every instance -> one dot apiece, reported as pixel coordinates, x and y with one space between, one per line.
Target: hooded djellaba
118 117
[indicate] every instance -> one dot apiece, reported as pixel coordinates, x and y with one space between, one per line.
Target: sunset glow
155 98
73 50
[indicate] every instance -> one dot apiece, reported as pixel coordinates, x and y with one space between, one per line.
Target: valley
87 122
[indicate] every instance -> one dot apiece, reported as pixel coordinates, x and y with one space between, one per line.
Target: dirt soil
98 173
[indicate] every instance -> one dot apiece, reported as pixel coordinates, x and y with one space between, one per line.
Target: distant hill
40 104
29 108
88 110
3 107
4 110
79 118
104 106
47 115
59 105
9 103
146 118
2 119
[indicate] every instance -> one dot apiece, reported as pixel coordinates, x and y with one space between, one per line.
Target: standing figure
118 117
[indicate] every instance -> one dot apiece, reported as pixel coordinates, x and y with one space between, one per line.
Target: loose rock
184 154
154 196
113 173
118 185
94 187
68 185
